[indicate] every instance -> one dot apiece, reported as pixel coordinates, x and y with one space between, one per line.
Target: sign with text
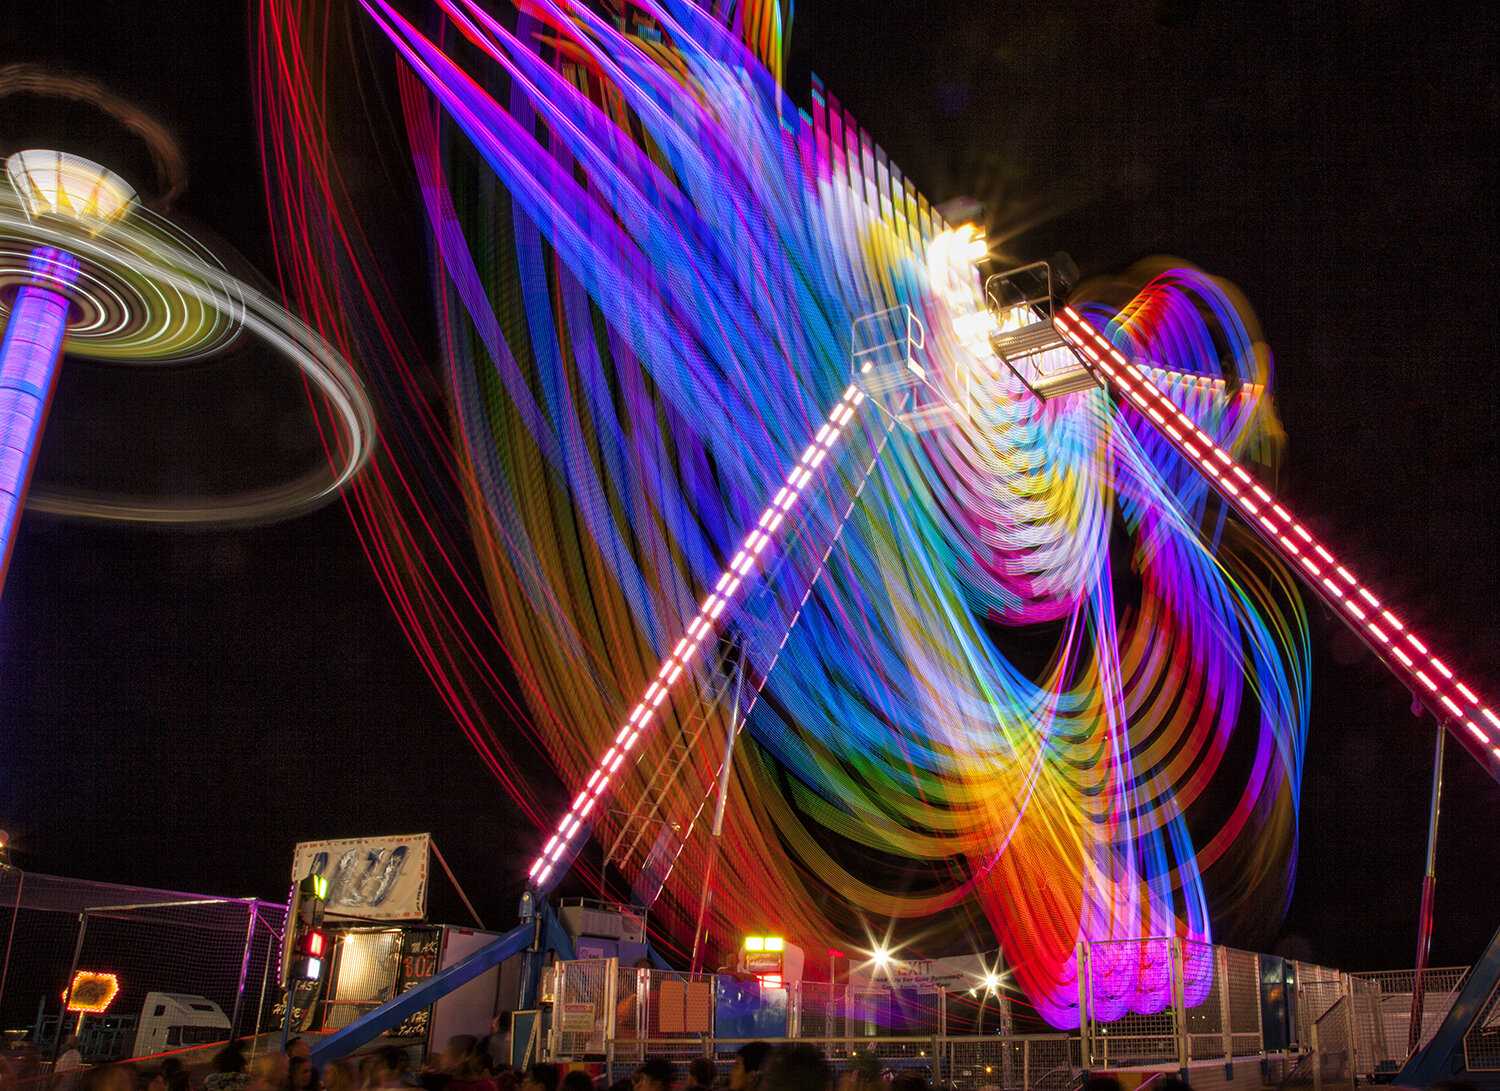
369 878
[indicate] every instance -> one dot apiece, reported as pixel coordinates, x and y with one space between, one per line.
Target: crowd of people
465 1064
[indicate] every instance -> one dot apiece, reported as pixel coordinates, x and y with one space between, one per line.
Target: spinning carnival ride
1011 666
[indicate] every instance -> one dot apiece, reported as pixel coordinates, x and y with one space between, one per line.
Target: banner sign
369 878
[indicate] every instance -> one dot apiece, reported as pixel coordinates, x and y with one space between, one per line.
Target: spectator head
229 1059
541 1077
909 1081
655 1074
746 1071
298 1047
701 1072
269 1070
388 1066
458 1049
577 1081
796 1067
300 1074
339 1076
1108 1083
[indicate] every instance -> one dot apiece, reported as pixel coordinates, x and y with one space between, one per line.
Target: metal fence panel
1390 992
1482 1042
584 1008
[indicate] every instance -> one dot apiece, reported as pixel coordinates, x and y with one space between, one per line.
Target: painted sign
369 878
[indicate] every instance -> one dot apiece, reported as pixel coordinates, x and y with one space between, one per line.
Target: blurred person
577 1080
107 1077
745 1075
438 1072
300 1074
701 1074
471 1073
864 1073
797 1067
298 1047
497 1044
174 1075
69 1062
228 1070
340 1076
366 1071
541 1077
390 1068
654 1074
269 1072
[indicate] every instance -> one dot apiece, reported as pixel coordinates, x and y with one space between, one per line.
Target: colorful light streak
647 262
1407 656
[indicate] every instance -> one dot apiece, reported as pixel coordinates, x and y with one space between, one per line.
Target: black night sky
178 708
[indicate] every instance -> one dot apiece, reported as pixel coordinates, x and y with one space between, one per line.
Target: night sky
178 708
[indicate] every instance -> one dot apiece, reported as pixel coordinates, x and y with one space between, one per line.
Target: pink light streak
1447 697
560 849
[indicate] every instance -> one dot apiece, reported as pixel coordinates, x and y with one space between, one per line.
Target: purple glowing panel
28 367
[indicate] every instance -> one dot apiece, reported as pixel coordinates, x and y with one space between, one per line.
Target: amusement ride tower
85 268
49 184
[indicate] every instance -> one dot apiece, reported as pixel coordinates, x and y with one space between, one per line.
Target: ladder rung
1026 341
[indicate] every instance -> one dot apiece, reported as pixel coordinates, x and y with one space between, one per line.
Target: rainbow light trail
1403 652
1043 686
558 852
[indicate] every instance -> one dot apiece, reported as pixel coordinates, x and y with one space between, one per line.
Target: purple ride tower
49 184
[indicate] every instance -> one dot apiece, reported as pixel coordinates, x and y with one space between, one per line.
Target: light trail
643 719
1409 657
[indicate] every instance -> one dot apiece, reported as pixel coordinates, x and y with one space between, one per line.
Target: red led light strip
1407 655
559 850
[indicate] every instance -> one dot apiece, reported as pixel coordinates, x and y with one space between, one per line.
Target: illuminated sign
91 992
763 957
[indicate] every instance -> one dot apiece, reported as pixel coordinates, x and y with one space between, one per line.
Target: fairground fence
225 951
1227 1018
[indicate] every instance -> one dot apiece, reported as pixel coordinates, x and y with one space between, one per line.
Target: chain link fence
210 965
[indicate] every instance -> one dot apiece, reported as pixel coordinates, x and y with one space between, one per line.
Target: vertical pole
1179 1006
239 992
286 1018
16 912
1351 1021
1429 889
83 923
1317 1059
29 354
1084 1028
1226 1008
272 950
705 898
